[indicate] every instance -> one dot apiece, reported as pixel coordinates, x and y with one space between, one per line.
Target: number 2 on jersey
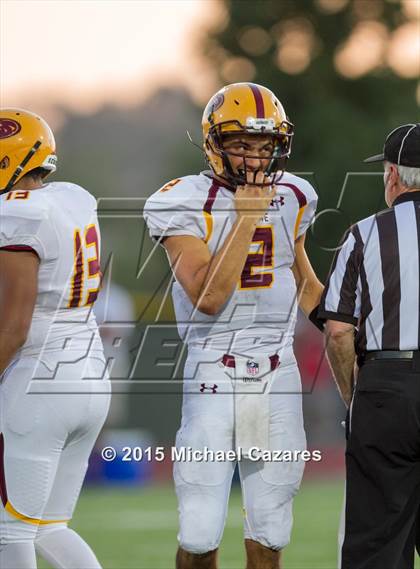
261 259
84 268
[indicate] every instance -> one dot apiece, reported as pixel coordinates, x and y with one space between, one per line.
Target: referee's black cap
402 147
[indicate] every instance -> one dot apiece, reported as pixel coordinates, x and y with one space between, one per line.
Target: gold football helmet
245 108
26 143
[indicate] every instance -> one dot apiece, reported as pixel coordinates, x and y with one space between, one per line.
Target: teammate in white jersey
49 343
235 239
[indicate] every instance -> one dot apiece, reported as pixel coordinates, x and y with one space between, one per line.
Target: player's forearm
309 295
220 277
341 356
309 287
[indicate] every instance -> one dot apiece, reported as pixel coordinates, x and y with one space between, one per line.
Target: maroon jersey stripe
3 491
259 101
18 248
214 188
300 196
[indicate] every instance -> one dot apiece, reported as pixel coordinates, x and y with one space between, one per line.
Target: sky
82 51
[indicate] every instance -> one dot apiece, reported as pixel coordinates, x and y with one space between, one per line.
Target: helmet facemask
281 139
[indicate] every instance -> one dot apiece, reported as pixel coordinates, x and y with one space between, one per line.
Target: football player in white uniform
49 279
235 239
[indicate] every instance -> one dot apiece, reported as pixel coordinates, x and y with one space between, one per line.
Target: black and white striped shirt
374 279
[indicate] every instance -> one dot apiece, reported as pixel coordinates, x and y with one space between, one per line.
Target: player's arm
18 291
309 287
340 307
210 280
341 355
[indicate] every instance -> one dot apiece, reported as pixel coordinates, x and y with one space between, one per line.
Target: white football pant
208 421
45 442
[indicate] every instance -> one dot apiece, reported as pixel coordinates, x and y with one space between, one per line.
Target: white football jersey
58 222
261 312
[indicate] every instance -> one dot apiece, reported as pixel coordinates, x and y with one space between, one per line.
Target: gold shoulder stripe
170 185
298 219
208 218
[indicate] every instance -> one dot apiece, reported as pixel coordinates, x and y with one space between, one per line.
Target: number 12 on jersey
85 268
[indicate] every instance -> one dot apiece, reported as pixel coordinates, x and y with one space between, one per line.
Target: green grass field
136 528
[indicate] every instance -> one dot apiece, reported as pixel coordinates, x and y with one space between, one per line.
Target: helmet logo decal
8 127
5 163
217 102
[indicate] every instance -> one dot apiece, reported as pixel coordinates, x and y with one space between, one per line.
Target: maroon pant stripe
3 492
259 101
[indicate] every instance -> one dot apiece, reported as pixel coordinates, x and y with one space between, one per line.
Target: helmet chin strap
21 166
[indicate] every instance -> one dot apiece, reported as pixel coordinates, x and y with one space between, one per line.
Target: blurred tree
326 61
129 152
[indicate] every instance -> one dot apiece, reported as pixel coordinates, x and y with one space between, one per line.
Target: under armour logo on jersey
277 201
204 387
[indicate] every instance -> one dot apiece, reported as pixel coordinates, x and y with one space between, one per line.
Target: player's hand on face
252 199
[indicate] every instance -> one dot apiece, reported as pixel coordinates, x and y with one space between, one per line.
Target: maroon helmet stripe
3 492
300 196
259 101
214 188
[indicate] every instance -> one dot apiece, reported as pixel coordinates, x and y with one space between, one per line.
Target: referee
374 285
